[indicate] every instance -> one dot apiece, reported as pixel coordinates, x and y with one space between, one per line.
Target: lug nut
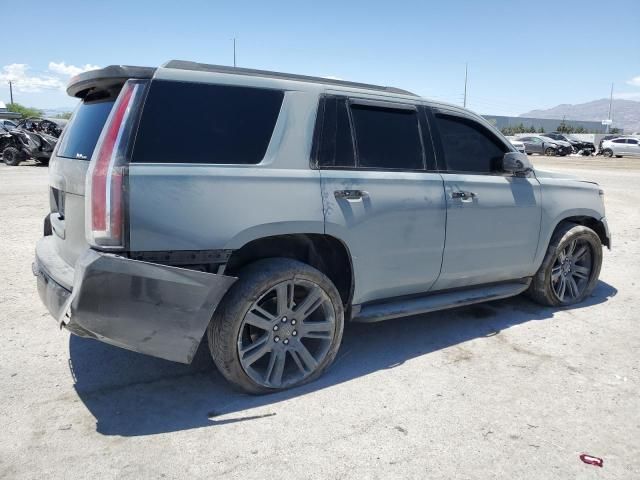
286 341
294 333
284 319
293 322
275 328
276 339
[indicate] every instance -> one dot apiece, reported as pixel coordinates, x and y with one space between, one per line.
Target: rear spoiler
106 78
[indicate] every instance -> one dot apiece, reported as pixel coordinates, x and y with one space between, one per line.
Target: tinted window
620 140
468 146
82 132
387 138
632 141
210 123
335 147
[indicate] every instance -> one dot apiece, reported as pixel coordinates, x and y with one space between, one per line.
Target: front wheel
278 327
549 152
570 269
607 152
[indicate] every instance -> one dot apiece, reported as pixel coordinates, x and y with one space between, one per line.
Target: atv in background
48 126
18 145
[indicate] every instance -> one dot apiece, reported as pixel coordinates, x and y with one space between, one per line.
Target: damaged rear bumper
145 307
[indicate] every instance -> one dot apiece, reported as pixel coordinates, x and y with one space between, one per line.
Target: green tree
615 130
24 112
65 115
541 130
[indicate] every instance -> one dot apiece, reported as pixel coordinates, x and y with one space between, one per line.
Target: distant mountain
626 113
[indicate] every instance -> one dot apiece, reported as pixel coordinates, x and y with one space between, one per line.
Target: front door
493 218
378 196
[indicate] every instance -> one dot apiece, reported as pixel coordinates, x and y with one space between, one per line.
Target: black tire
11 156
43 161
541 289
607 152
228 326
549 152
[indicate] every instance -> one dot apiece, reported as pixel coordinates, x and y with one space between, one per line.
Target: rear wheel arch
323 252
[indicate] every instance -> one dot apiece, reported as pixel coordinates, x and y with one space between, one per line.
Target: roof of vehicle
80 85
203 67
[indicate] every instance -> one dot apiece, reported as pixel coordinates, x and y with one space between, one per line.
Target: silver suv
280 206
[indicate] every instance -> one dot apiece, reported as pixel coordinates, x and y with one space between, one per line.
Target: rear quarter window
202 123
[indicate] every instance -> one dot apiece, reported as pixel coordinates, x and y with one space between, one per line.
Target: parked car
587 148
544 145
18 145
621 146
519 146
309 202
7 124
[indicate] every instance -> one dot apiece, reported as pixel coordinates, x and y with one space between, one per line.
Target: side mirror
516 162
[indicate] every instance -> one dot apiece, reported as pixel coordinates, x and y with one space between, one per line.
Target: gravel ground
502 390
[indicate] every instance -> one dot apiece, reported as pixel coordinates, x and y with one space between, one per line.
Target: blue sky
521 54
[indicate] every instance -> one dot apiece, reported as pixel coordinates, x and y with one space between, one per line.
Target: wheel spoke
303 358
562 286
321 330
580 272
275 368
284 297
574 291
569 249
252 318
255 350
310 304
580 253
556 272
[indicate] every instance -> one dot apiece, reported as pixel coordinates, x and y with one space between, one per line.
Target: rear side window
468 146
82 132
202 123
335 147
619 141
632 141
387 138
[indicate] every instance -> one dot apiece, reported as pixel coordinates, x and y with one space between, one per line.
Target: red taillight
107 170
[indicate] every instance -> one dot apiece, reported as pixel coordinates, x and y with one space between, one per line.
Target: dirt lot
502 390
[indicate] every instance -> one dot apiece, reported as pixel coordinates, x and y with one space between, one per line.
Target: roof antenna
234 52
466 71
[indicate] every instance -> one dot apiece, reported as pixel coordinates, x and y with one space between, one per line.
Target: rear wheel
571 267
278 327
11 156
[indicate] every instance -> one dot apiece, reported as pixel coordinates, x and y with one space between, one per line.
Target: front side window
210 124
469 146
387 138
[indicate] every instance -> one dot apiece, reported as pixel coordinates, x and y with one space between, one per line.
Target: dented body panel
145 307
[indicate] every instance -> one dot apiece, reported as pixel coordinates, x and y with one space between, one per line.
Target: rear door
493 218
379 196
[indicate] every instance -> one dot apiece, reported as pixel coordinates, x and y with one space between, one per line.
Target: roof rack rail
203 67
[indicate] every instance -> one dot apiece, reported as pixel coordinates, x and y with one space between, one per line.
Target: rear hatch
97 91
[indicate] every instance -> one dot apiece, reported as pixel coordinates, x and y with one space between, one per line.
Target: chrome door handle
350 194
464 195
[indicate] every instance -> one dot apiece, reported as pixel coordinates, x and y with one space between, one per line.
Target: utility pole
466 72
11 91
234 52
610 108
